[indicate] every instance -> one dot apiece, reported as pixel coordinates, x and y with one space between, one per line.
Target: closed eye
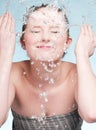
35 31
54 31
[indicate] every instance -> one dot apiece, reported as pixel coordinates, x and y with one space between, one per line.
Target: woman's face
45 34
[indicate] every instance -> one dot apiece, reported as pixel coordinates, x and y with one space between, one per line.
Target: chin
45 58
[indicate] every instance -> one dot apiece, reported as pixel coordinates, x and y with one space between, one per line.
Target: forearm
86 94
5 70
7 46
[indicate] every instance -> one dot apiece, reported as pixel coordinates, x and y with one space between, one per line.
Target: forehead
46 15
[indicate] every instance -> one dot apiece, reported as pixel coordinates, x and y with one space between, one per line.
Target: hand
86 42
7 34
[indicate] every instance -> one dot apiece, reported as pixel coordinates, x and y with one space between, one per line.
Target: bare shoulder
73 77
16 77
71 67
17 70
71 72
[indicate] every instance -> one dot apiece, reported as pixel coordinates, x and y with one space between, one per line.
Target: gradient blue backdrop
76 9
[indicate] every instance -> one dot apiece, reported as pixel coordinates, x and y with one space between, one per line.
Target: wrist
82 53
82 56
6 56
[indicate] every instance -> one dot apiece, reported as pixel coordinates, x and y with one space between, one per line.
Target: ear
68 42
22 41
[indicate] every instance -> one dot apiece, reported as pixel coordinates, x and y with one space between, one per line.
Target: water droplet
46 100
56 126
51 81
65 126
32 62
42 106
18 34
24 73
40 85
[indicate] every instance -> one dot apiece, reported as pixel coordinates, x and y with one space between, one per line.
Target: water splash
91 17
8 5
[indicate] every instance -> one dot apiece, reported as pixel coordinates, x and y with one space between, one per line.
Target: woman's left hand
86 42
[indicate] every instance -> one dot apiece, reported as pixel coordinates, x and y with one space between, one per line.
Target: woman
44 92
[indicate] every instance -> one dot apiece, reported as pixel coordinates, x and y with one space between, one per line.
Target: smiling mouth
44 47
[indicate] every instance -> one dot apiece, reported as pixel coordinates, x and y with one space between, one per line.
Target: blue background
78 13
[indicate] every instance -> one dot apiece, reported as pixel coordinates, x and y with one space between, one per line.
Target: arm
86 91
7 45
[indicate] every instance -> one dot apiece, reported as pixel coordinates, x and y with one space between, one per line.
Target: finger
9 22
12 25
4 20
94 37
86 31
90 31
82 29
1 17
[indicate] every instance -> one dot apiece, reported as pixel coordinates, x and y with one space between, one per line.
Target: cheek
60 42
61 46
29 40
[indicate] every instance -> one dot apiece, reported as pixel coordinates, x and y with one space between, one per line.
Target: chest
56 101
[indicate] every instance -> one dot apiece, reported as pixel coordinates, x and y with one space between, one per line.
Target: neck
44 73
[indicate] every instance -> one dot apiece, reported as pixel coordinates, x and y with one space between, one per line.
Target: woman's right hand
7 35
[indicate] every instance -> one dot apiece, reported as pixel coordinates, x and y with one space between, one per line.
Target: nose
45 37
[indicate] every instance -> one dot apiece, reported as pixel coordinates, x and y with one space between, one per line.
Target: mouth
44 47
49 45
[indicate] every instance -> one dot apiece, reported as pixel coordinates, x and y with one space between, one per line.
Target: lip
44 47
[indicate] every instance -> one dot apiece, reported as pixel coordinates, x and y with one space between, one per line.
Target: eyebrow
54 26
34 26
